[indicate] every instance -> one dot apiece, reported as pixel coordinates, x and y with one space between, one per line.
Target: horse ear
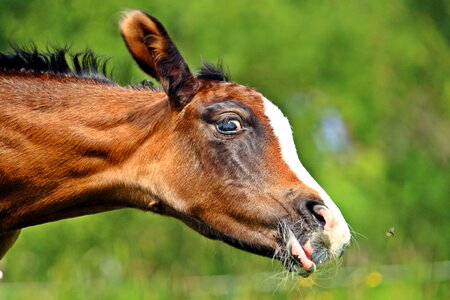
156 54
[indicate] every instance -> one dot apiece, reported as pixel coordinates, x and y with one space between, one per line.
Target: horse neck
62 143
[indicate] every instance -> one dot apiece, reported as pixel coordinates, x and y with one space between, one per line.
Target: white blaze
340 234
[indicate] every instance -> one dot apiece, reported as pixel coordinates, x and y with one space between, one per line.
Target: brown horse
217 155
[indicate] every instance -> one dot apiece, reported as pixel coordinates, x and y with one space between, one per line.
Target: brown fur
71 146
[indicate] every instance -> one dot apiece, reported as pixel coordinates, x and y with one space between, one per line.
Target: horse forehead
220 91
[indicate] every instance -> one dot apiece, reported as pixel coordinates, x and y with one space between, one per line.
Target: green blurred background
366 87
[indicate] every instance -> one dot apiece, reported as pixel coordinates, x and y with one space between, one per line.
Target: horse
215 154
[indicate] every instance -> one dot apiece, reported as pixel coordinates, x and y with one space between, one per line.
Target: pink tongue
297 250
308 249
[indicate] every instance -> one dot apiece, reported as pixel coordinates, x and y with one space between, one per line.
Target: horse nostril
315 209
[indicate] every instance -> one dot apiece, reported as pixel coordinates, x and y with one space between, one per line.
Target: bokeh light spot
374 279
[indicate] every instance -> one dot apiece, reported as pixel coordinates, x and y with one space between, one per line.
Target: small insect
390 232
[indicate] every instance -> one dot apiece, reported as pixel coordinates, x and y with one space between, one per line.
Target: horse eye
229 126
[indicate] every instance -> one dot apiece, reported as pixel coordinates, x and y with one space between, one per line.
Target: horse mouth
302 253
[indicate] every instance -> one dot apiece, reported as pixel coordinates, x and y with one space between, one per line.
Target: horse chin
302 258
298 250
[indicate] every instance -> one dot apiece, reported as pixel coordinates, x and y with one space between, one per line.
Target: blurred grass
379 67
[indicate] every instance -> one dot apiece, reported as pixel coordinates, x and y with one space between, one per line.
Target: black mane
85 65
213 72
56 61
